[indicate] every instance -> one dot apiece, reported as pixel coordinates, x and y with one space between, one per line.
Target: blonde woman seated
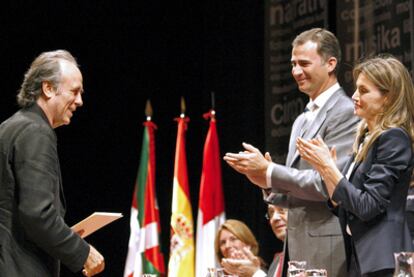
234 240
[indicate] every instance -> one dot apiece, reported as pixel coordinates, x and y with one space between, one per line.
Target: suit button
350 217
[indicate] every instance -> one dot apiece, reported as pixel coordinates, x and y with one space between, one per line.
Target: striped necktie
309 115
279 257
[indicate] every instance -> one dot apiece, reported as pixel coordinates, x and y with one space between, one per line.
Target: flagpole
182 104
148 110
181 262
213 101
212 112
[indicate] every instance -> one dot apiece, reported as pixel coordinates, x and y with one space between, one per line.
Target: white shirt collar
324 96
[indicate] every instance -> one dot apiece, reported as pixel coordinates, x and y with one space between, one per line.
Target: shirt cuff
259 273
269 175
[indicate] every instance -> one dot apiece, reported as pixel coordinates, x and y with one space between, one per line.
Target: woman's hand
245 265
322 159
316 152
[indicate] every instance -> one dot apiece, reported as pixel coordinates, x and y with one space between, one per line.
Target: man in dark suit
34 237
278 220
314 234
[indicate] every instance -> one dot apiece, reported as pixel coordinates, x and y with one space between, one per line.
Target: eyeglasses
268 215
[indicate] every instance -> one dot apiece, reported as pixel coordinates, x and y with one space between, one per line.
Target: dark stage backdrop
129 52
366 28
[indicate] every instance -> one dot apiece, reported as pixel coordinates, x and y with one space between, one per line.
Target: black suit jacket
372 202
410 211
33 234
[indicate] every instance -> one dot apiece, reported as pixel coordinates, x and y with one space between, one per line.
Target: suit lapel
296 129
61 193
41 116
315 125
357 164
314 128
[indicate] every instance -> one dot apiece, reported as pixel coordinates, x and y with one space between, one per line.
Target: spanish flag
181 261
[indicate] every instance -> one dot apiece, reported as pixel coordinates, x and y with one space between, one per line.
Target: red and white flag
211 212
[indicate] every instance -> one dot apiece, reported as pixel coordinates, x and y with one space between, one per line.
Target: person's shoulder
395 133
395 143
24 121
394 139
344 98
342 105
17 121
339 100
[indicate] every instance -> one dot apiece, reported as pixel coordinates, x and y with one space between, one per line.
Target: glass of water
296 269
316 273
404 264
215 272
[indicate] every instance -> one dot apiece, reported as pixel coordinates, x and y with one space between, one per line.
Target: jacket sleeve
392 155
306 183
37 178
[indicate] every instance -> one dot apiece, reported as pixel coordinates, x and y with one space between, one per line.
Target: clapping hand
250 162
316 153
323 159
244 263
